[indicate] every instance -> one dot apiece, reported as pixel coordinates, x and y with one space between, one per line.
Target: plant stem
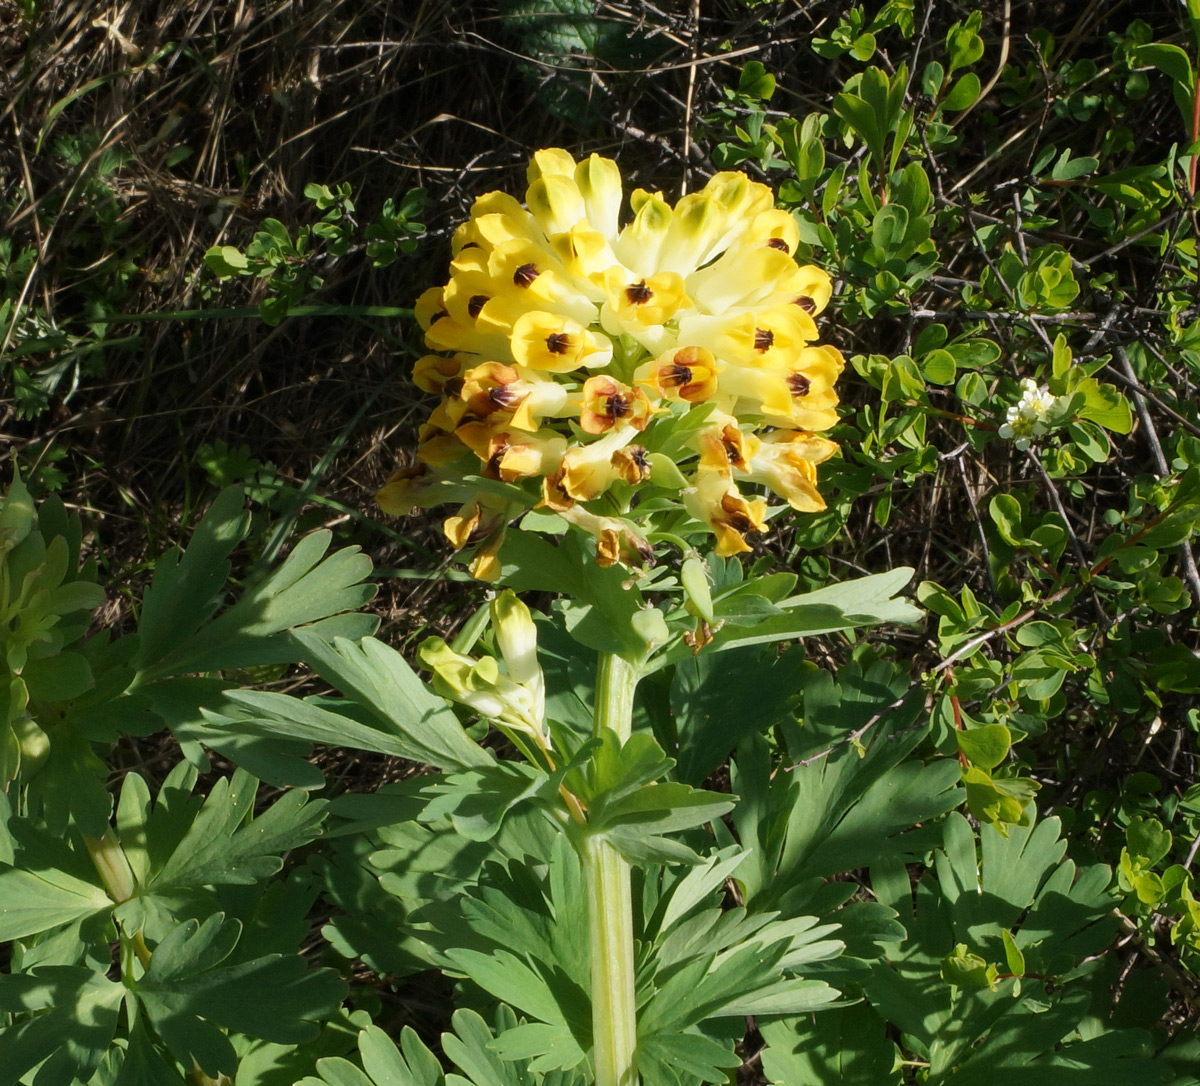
610 906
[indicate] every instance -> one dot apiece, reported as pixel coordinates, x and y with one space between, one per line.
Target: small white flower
1025 420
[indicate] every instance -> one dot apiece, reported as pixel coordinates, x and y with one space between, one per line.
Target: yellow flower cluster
564 339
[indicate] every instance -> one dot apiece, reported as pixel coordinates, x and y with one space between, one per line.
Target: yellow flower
410 488
799 396
585 254
516 699
640 305
810 381
511 454
532 276
765 339
728 336
555 201
810 289
599 183
429 308
564 339
555 344
498 217
438 447
638 245
741 277
776 229
550 162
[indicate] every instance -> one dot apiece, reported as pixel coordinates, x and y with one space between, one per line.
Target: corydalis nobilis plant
583 364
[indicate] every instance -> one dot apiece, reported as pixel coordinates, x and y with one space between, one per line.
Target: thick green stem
610 907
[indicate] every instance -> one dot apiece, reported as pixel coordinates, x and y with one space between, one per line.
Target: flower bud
516 637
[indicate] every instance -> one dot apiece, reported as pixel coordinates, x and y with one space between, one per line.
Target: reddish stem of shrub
1195 137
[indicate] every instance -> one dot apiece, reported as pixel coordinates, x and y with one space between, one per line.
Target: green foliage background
213 227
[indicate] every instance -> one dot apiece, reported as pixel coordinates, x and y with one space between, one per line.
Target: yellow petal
554 200
429 307
786 462
639 303
599 183
810 288
548 162
639 243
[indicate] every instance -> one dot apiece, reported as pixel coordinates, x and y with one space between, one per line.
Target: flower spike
640 380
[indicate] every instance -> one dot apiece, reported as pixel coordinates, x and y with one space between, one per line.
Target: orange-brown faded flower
414 487
608 403
481 522
489 387
632 464
431 372
513 454
493 387
786 462
681 375
724 446
616 539
587 471
529 456
715 500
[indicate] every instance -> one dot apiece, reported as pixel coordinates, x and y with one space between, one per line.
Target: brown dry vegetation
267 98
